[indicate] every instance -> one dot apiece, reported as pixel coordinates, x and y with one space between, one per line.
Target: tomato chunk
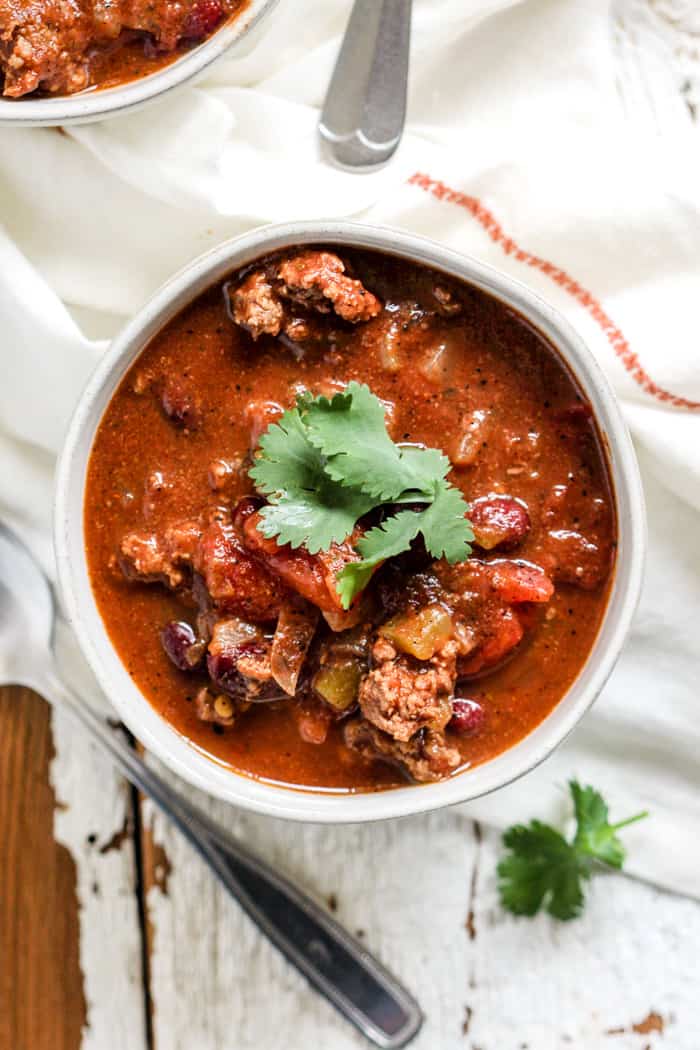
505 632
499 522
519 582
311 575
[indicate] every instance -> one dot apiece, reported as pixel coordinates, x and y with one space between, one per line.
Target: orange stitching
585 298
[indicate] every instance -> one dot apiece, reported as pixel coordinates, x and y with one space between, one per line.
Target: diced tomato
238 583
518 582
505 632
499 522
311 575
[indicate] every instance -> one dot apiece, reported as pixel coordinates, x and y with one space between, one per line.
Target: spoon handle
335 963
365 110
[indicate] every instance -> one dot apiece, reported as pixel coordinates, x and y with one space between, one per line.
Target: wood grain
42 1005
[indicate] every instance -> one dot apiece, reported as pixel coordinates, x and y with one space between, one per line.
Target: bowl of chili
458 663
88 63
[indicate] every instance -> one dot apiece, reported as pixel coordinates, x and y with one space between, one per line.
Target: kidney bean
203 19
468 717
180 644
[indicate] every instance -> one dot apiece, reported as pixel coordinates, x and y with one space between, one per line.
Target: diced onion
295 630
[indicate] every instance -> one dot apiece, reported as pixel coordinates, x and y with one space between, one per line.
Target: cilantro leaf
326 463
314 519
444 527
288 462
384 541
446 530
544 870
595 836
350 430
306 507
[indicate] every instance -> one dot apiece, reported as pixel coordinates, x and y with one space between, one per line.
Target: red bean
180 405
203 19
179 641
468 717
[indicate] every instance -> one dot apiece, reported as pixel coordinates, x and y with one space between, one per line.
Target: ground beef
427 756
154 558
46 44
318 279
401 696
270 301
256 307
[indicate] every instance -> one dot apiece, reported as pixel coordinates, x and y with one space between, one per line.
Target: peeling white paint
92 800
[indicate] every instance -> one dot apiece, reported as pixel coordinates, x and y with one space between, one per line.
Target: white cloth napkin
517 151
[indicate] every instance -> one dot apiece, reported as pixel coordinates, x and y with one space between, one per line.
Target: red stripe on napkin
493 228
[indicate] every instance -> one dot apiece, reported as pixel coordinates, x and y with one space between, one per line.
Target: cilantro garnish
327 462
351 432
544 870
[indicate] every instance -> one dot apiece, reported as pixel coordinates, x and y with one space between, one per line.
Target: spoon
335 963
365 110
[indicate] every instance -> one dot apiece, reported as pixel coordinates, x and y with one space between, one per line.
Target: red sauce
481 377
49 47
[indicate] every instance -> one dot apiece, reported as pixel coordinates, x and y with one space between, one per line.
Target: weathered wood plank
628 961
423 894
95 823
42 1005
402 886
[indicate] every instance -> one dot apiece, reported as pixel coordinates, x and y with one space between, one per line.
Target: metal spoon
335 963
365 110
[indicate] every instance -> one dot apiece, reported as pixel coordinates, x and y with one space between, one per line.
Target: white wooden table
166 960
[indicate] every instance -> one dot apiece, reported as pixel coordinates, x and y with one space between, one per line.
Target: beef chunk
46 43
427 756
401 695
256 306
281 298
236 581
153 558
318 279
42 44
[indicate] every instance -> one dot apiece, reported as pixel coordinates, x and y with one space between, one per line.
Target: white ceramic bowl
152 730
93 104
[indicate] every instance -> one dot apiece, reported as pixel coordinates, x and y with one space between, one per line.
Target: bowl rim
97 104
314 805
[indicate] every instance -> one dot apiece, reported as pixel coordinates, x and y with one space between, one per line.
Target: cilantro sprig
543 870
328 462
